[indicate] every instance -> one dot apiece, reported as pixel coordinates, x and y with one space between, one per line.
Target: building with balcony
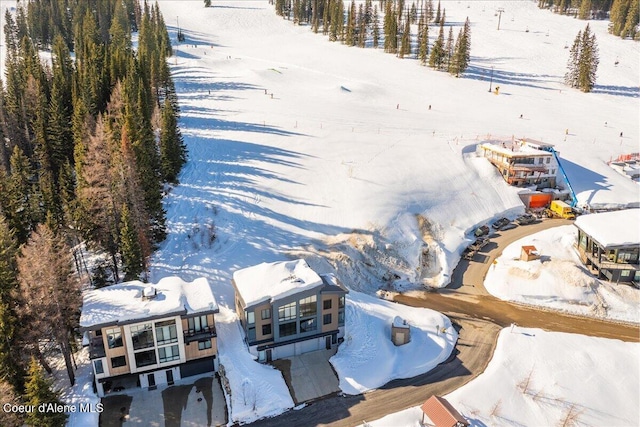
288 309
146 335
523 163
609 244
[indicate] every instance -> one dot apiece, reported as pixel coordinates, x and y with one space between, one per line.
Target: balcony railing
605 263
96 348
200 334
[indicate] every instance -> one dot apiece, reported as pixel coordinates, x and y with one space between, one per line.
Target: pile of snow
529 382
558 280
368 359
257 390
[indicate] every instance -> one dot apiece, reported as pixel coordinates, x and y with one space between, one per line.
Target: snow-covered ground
539 378
302 147
368 359
559 280
345 154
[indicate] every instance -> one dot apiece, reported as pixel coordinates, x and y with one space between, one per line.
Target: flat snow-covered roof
274 281
124 303
617 228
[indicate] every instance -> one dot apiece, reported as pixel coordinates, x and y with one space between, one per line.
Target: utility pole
491 79
500 10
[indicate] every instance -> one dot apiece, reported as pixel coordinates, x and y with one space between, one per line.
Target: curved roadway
478 317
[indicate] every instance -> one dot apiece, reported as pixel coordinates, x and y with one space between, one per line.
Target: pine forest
90 145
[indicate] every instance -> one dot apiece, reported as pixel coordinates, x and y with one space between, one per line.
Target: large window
197 324
341 318
146 358
204 344
166 332
167 354
142 336
308 306
251 317
341 302
308 325
266 329
119 361
326 304
114 337
287 329
98 365
251 333
266 314
628 256
287 312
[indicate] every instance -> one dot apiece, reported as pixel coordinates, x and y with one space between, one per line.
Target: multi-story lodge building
523 163
150 334
287 309
609 244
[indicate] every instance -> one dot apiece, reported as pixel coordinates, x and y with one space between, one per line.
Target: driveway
194 401
309 376
478 317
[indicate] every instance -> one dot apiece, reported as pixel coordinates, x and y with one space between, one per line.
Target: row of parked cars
482 232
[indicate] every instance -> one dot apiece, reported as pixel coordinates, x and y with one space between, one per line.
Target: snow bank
257 390
529 382
558 280
367 359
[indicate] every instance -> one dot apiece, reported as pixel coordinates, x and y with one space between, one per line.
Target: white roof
615 228
399 322
124 303
274 281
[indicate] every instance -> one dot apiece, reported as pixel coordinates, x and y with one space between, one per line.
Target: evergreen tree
405 44
585 9
132 257
449 50
583 61
173 152
588 62
462 50
362 26
375 33
618 16
351 25
39 390
630 28
436 59
207 3
438 14
429 11
10 366
423 40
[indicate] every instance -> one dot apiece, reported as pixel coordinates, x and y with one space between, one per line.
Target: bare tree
49 292
8 397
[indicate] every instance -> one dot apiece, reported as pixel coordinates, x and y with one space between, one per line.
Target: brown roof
529 249
441 413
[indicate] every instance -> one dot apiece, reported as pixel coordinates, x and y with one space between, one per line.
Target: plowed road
478 317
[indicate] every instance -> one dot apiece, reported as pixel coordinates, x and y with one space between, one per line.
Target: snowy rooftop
124 303
616 228
518 148
274 281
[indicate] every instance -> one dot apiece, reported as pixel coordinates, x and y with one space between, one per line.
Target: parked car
481 231
526 219
509 226
499 224
480 243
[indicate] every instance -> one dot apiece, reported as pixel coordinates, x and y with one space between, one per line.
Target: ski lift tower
499 12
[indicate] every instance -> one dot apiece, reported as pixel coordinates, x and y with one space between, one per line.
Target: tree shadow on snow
498 77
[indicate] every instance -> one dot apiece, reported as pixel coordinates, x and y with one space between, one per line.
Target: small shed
529 253
400 331
441 413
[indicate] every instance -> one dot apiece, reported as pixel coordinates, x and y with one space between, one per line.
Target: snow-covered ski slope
303 146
